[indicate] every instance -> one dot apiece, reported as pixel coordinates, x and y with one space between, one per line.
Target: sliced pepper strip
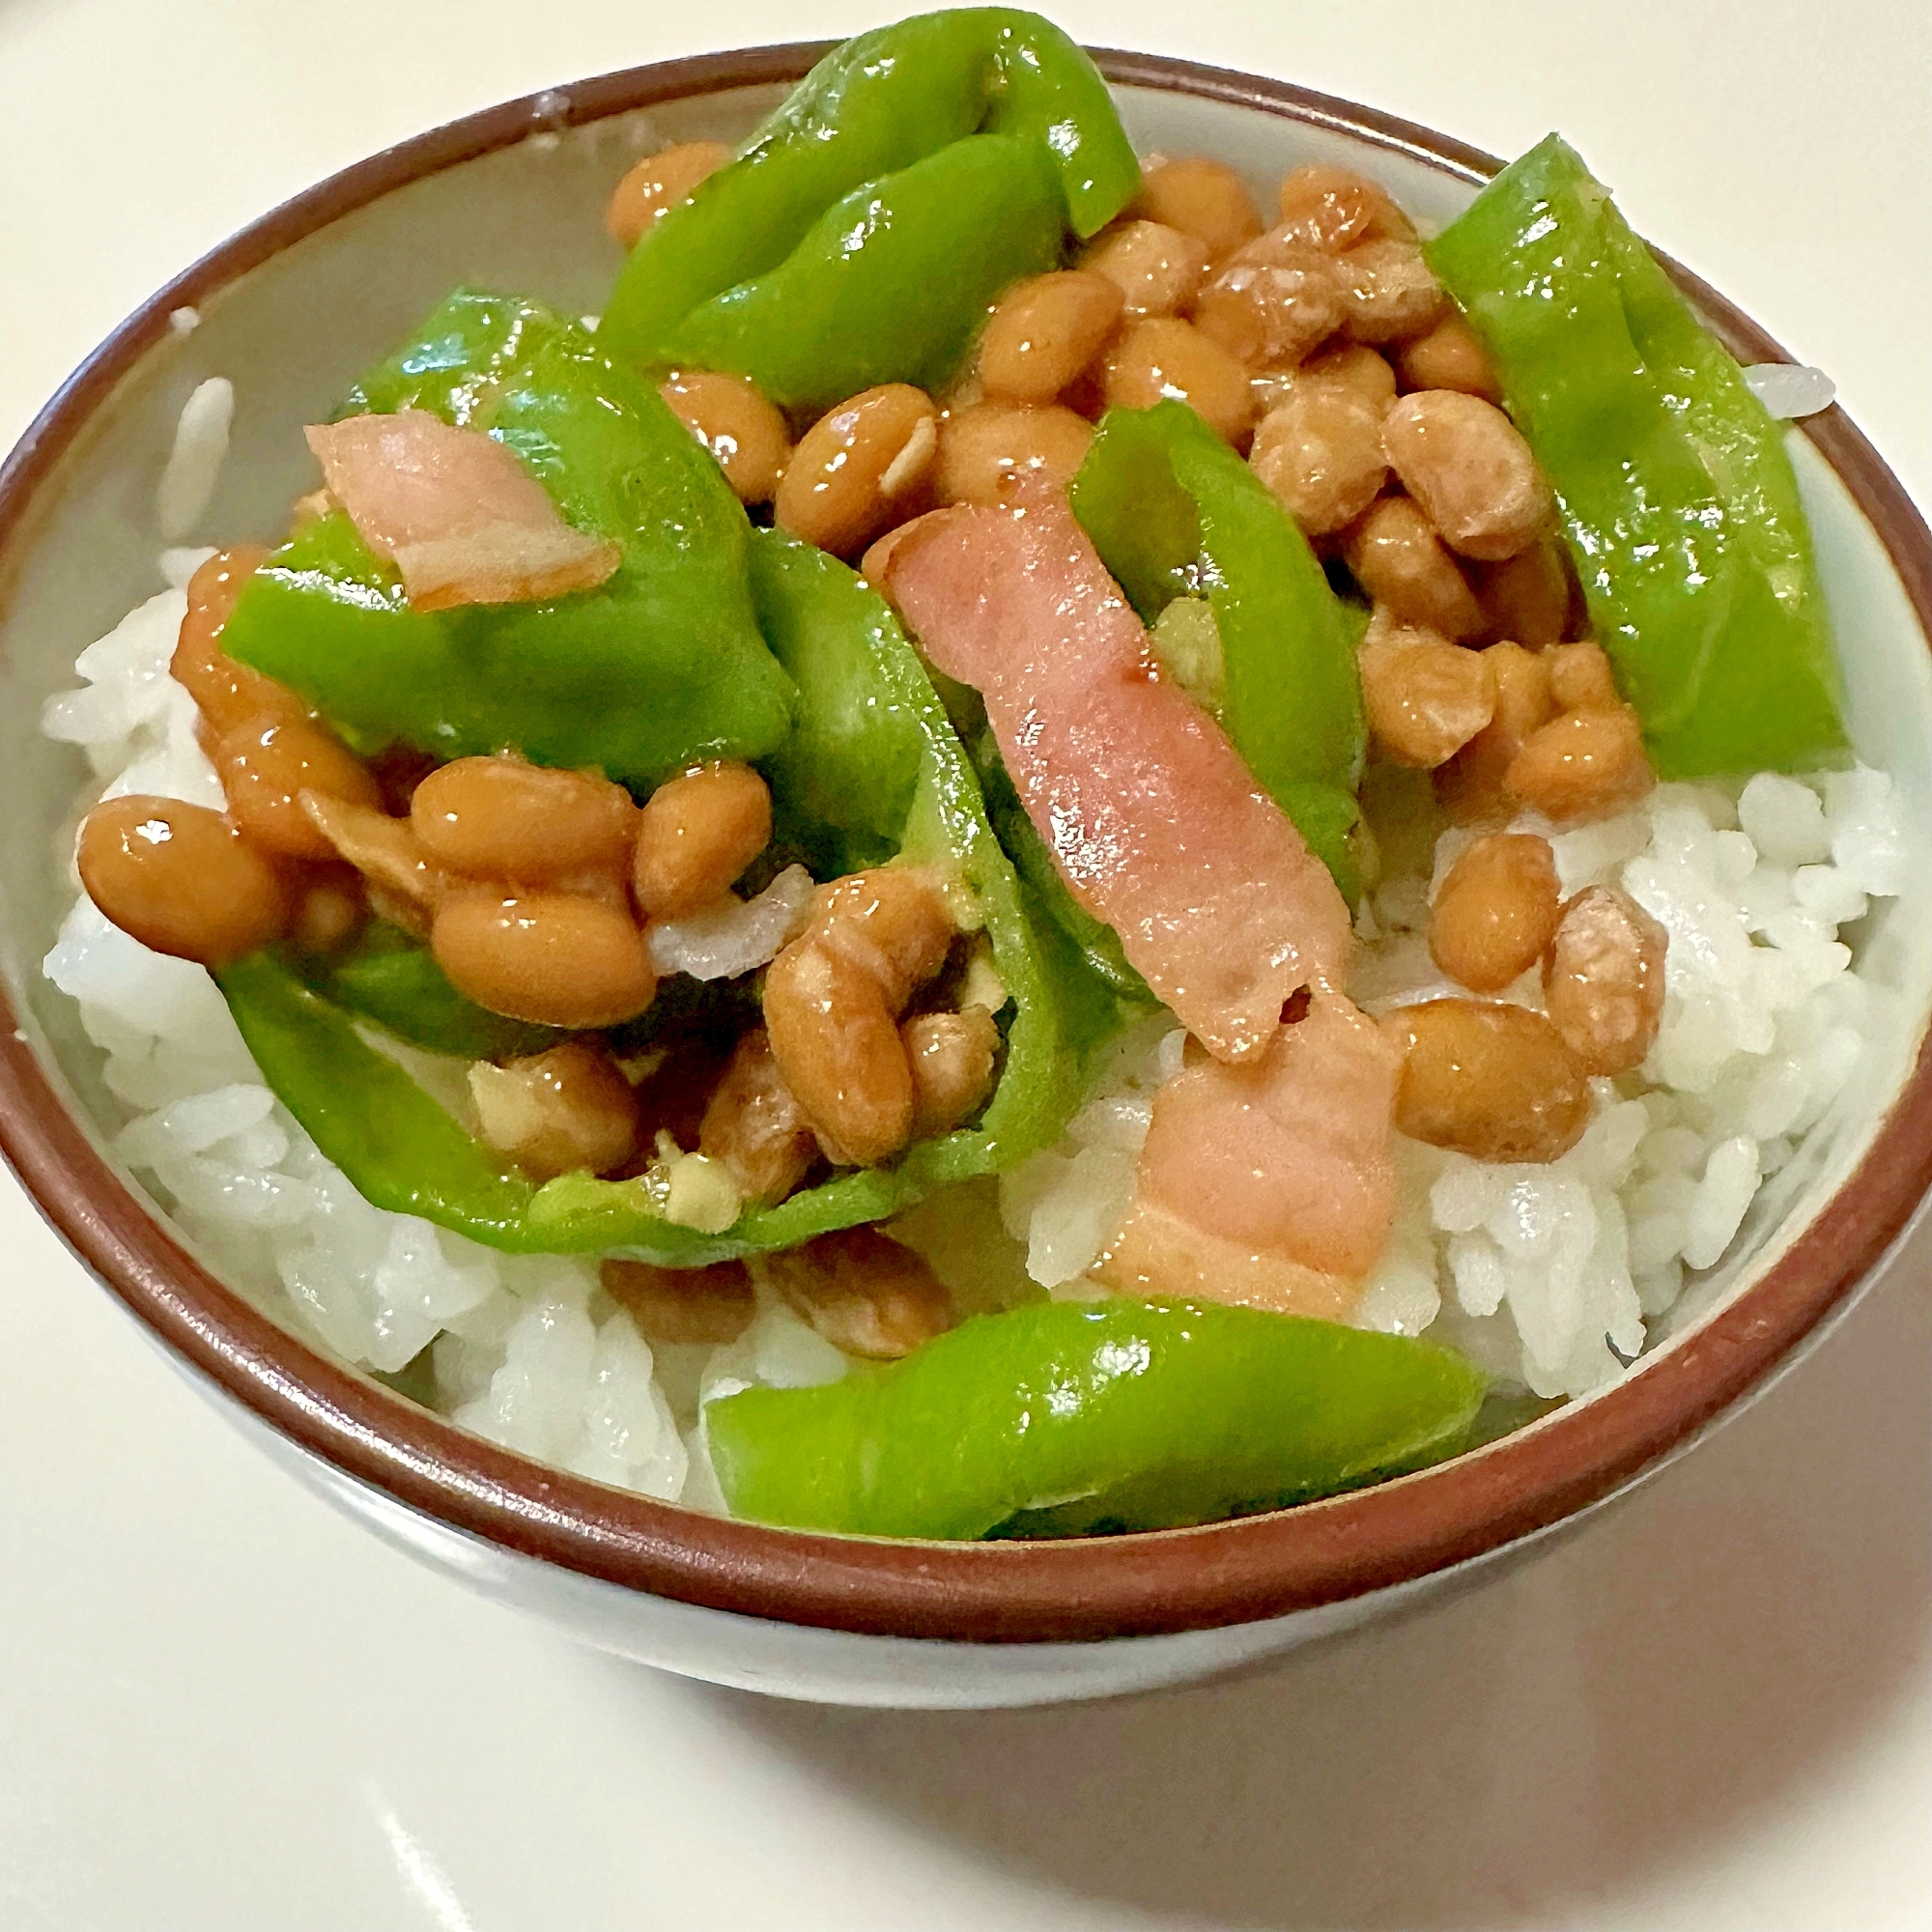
1073 1418
1677 492
399 1148
661 666
403 1151
873 106
890 284
1173 512
842 784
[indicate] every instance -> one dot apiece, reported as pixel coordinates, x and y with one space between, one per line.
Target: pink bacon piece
1156 824
1268 1184
460 517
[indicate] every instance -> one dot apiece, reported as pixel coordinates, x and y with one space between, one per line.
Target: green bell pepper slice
1090 968
890 284
1676 489
661 666
399 1148
1173 512
384 976
1095 943
871 107
1074 1419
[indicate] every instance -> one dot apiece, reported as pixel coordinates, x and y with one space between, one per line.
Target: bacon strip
1270 1183
1157 826
461 518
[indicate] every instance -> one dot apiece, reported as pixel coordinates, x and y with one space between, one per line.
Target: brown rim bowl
1225 1573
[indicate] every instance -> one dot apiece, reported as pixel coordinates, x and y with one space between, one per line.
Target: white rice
728 941
1790 390
1553 1276
201 444
1550 1276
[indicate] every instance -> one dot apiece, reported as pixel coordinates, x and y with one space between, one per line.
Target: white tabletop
223 1708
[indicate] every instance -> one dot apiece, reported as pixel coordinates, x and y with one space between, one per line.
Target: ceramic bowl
291 310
